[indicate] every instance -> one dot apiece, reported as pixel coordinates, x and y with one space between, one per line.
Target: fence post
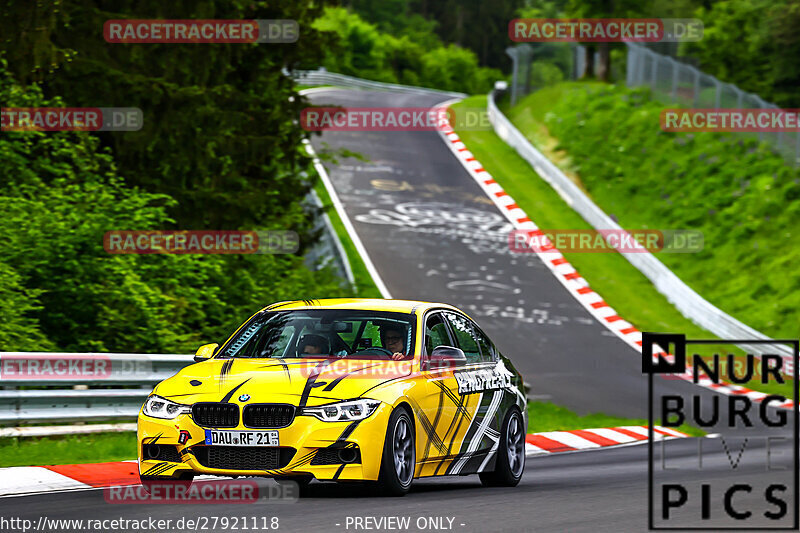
654 73
761 105
696 87
512 53
629 67
675 67
797 148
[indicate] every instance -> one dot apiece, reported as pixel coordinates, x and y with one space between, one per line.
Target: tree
220 132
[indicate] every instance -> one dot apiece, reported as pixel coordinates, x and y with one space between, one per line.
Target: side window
464 337
435 333
278 349
487 348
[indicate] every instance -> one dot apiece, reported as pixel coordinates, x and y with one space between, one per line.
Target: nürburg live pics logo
743 475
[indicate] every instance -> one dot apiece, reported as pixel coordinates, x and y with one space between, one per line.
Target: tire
399 455
150 481
509 466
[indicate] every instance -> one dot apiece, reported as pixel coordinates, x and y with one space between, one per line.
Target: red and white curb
24 480
549 442
564 272
27 480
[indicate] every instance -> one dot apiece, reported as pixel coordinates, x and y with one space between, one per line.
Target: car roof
369 304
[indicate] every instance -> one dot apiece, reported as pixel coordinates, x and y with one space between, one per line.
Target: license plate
241 438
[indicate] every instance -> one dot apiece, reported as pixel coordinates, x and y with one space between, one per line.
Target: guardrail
323 77
80 386
687 301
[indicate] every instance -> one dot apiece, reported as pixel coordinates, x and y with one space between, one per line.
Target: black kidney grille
268 415
243 457
216 415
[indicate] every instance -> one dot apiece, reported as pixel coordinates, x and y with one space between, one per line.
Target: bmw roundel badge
244 397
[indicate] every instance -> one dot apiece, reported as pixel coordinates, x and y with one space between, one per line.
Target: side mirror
205 352
446 357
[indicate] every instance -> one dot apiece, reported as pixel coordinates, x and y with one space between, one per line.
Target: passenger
393 338
311 344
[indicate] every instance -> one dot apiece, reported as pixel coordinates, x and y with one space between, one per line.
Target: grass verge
67 449
619 283
546 416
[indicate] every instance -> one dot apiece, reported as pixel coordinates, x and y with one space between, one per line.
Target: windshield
324 333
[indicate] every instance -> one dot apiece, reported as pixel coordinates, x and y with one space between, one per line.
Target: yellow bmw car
381 391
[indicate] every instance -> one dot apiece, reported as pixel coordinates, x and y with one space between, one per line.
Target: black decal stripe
286 369
280 304
456 399
460 418
338 471
310 381
471 434
341 441
223 372
435 424
483 410
471 431
152 440
340 378
299 462
228 396
158 469
383 383
430 431
283 363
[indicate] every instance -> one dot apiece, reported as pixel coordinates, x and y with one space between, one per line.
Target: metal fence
687 301
540 64
683 84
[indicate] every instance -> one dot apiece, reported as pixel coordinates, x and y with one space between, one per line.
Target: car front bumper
302 440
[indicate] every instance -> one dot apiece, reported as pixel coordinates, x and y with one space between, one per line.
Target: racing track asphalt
433 235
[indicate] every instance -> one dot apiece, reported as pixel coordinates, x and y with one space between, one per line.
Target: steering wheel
381 351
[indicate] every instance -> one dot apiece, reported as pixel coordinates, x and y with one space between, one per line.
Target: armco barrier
323 77
688 302
74 395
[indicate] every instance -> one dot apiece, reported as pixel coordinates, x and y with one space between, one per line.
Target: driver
393 338
311 344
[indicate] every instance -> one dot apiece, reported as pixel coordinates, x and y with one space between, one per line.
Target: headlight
343 411
159 407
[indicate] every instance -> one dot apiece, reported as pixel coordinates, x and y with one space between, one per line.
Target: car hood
311 381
